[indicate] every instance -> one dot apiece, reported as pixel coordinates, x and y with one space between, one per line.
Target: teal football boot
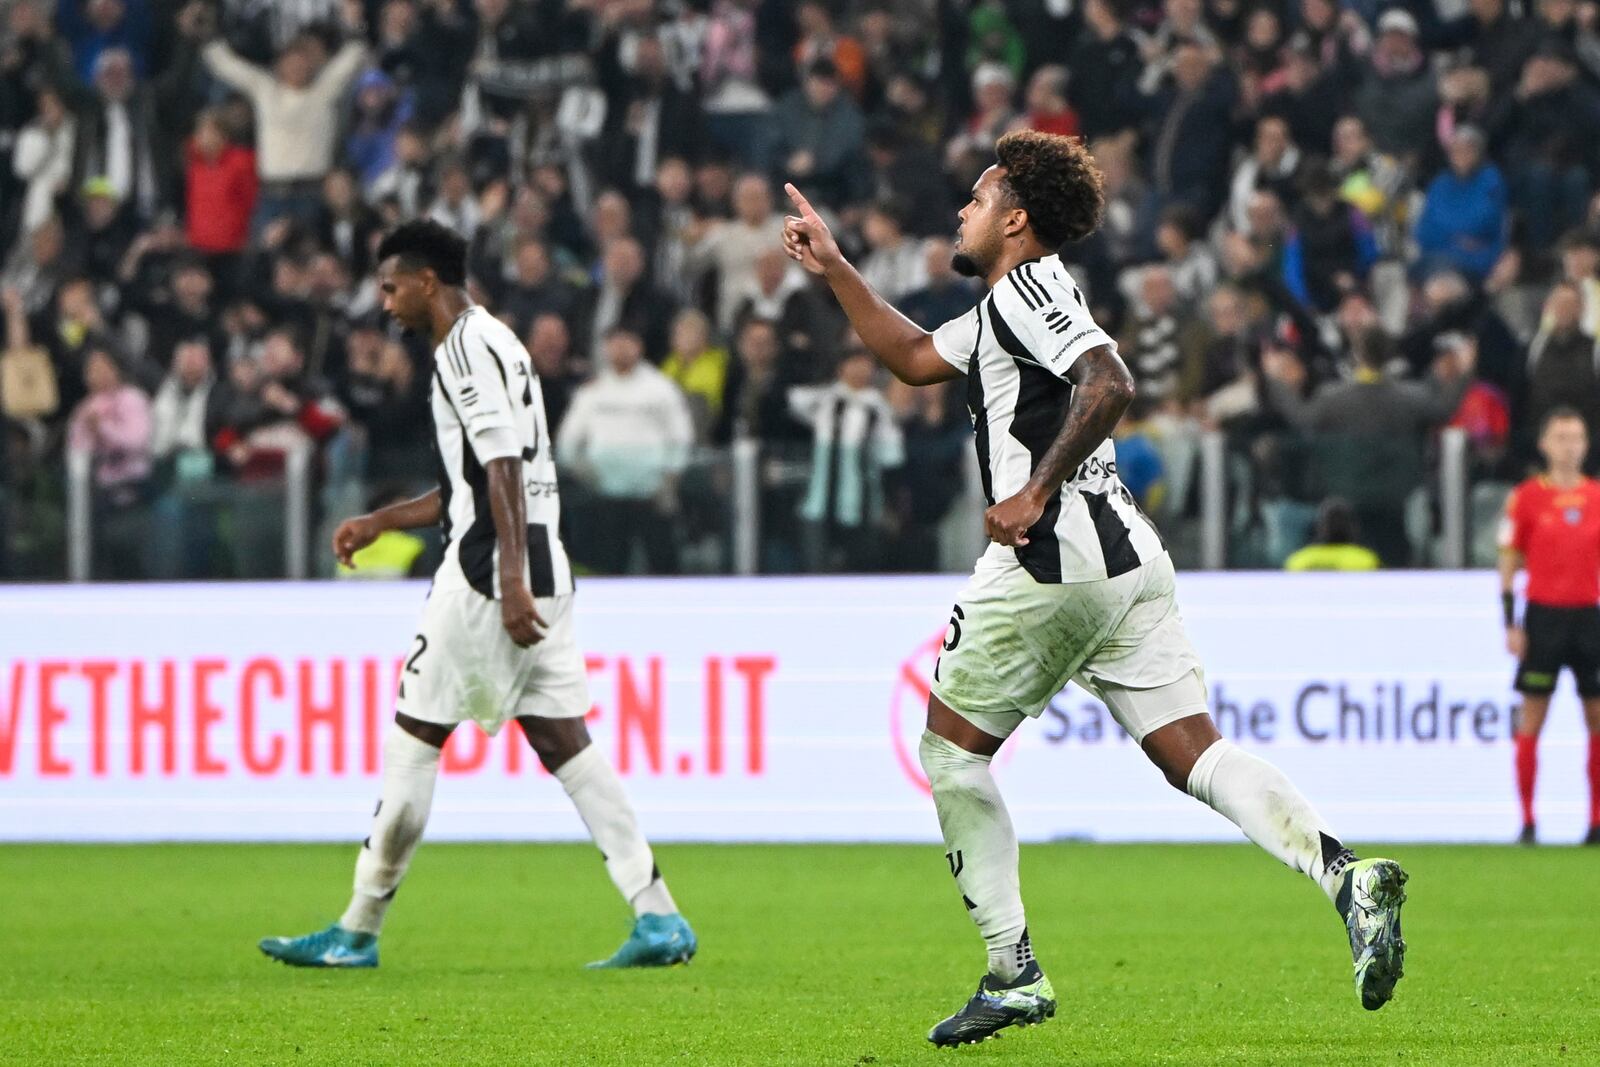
333 947
656 941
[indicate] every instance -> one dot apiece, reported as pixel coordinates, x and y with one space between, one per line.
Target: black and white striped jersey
487 405
1015 348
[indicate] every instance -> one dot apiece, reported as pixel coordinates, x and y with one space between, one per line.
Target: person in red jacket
220 191
1552 527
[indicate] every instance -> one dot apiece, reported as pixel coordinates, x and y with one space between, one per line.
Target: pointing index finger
799 200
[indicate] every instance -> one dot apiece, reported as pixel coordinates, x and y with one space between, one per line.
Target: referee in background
1552 527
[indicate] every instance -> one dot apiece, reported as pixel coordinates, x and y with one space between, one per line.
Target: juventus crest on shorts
1016 348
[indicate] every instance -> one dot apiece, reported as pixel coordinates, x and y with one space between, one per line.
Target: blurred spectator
1367 417
758 403
937 443
550 347
381 112
1395 98
1189 142
894 264
784 297
1485 411
908 171
269 409
856 441
1105 66
1047 109
1497 40
42 157
971 150
626 437
731 247
535 289
820 41
820 136
178 413
94 27
118 134
1335 544
297 110
945 295
1274 164
1540 130
701 370
1139 463
736 103
220 183
648 117
1163 348
1463 221
1306 95
1330 248
625 299
345 224
100 228
1191 267
380 393
177 311
1580 265
1563 365
112 424
1370 181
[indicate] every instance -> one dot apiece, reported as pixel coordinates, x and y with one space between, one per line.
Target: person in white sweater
626 438
297 114
43 158
732 246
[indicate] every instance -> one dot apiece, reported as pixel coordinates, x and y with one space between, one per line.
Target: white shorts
463 665
1014 643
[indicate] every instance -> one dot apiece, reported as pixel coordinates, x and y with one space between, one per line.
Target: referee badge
1573 516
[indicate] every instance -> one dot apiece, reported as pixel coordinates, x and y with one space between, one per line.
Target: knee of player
943 761
554 741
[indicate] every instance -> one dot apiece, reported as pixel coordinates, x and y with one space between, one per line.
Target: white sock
981 847
410 767
1262 802
596 792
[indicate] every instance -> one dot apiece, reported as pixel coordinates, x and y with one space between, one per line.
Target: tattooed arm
1102 390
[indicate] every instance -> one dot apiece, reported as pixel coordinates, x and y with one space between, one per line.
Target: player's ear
1016 222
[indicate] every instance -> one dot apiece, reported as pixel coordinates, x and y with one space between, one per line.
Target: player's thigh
1583 651
555 682
1546 632
1148 651
462 664
1012 643
1171 722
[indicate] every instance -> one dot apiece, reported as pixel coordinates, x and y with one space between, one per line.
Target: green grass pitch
810 955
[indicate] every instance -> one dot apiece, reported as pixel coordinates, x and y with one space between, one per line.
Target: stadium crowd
1330 231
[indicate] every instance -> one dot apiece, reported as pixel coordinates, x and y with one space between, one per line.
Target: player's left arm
518 613
1102 391
1510 561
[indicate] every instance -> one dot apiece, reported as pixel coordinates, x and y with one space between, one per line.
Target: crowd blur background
1334 234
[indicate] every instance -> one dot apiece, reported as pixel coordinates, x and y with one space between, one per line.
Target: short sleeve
955 340
1042 306
472 374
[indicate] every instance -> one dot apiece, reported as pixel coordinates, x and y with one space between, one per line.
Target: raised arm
235 70
1102 391
898 343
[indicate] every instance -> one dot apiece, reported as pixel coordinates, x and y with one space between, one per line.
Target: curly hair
1054 180
425 243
